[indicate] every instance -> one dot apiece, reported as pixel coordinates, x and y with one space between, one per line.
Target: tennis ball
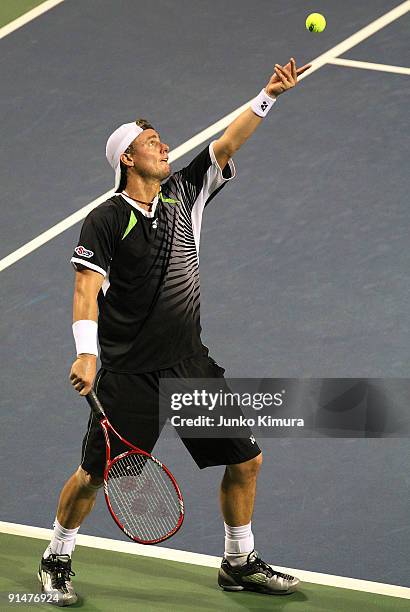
315 22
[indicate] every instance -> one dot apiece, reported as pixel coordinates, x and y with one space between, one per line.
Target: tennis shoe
55 576
255 575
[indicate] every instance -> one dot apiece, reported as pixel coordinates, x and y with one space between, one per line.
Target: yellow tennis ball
315 22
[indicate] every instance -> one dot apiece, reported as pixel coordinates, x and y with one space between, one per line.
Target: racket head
143 497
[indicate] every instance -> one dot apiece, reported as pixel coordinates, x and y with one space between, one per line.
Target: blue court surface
304 256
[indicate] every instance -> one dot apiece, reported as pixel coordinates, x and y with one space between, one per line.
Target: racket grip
95 404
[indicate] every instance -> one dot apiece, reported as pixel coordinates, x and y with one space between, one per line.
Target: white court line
181 556
68 222
209 132
33 14
369 65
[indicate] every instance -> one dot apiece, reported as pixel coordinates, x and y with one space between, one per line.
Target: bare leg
77 498
238 489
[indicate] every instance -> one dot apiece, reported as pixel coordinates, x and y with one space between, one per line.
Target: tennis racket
142 495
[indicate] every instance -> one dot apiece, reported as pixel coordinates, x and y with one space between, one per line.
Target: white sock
62 541
239 542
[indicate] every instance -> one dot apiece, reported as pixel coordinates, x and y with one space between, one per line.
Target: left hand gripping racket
141 493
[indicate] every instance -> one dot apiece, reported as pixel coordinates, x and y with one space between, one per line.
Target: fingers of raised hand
293 69
289 72
303 69
284 75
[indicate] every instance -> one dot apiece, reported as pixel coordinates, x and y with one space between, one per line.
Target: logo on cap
83 252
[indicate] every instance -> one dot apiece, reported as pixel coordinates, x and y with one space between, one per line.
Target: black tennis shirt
149 303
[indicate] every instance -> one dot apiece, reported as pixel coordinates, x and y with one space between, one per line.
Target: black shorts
131 402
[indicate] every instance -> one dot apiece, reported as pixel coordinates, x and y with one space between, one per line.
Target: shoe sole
223 579
232 588
241 588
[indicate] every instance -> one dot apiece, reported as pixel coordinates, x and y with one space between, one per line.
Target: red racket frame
106 425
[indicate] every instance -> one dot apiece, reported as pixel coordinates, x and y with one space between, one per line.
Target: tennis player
137 290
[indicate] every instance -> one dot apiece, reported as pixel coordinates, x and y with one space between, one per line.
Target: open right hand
83 372
284 77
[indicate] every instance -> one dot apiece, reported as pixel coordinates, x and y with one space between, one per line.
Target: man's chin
166 173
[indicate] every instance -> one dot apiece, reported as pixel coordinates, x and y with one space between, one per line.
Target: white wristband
85 336
262 104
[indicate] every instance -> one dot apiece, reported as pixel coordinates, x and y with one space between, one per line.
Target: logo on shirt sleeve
83 252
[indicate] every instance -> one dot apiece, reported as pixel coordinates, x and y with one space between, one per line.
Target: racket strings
133 510
143 497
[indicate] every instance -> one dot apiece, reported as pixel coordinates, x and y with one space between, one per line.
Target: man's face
149 156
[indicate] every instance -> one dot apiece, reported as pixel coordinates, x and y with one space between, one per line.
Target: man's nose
165 148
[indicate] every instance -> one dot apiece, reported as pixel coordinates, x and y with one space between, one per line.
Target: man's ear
126 159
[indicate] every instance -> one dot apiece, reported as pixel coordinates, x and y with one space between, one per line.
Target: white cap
117 143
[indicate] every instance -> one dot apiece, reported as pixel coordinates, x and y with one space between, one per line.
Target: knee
247 470
89 481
